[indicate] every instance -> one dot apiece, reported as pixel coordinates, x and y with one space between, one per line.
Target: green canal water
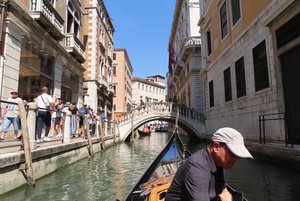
111 174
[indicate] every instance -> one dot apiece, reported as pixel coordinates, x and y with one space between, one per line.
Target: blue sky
143 29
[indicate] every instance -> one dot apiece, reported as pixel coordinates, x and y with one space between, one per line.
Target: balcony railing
190 45
75 47
191 42
46 15
111 89
179 65
103 82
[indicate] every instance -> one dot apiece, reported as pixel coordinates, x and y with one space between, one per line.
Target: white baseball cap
234 141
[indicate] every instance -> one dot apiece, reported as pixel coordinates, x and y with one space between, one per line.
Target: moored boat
163 128
144 132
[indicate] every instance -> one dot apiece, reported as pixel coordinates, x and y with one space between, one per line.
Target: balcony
111 90
104 84
179 66
46 15
102 48
190 45
74 46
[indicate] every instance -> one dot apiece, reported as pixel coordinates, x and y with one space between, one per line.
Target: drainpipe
3 14
3 9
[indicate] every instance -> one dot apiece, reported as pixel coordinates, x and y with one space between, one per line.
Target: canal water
111 174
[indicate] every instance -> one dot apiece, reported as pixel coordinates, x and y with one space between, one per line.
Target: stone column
31 121
98 122
67 125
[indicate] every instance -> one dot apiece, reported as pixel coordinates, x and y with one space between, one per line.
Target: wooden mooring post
88 136
27 167
101 135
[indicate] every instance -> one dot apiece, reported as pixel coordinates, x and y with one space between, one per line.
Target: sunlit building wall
122 75
148 90
185 56
42 45
249 49
99 43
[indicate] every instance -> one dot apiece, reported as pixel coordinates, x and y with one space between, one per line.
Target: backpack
83 111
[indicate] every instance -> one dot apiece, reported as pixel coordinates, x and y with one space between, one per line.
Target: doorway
290 68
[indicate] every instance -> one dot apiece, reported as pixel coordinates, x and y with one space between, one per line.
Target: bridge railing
99 130
167 108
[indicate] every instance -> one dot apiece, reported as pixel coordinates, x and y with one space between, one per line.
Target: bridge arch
190 121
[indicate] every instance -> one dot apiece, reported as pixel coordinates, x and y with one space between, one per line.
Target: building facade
122 75
98 34
147 90
42 45
250 65
185 56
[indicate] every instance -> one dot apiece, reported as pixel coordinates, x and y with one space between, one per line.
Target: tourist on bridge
201 176
11 115
45 105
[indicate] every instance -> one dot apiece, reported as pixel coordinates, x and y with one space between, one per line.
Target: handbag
48 108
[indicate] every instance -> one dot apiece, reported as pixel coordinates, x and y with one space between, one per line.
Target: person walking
11 115
103 120
201 176
83 111
45 105
74 114
58 118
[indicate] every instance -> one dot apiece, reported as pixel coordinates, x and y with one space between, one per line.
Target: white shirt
13 110
43 102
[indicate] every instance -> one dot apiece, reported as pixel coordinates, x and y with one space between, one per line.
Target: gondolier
201 176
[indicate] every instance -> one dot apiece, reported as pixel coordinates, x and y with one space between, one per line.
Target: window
227 85
115 89
211 94
236 11
260 66
73 21
240 77
288 32
114 56
114 70
223 18
208 37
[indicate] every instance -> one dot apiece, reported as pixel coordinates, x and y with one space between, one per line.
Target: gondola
163 128
155 182
145 132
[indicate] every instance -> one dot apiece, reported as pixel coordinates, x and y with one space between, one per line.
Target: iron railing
273 117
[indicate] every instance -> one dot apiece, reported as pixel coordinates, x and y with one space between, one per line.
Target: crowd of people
49 117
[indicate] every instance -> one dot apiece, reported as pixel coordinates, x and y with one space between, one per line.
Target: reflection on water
107 176
113 173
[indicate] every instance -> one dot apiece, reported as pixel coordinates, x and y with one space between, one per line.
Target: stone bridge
189 120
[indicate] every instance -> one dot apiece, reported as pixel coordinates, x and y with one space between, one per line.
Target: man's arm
4 111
